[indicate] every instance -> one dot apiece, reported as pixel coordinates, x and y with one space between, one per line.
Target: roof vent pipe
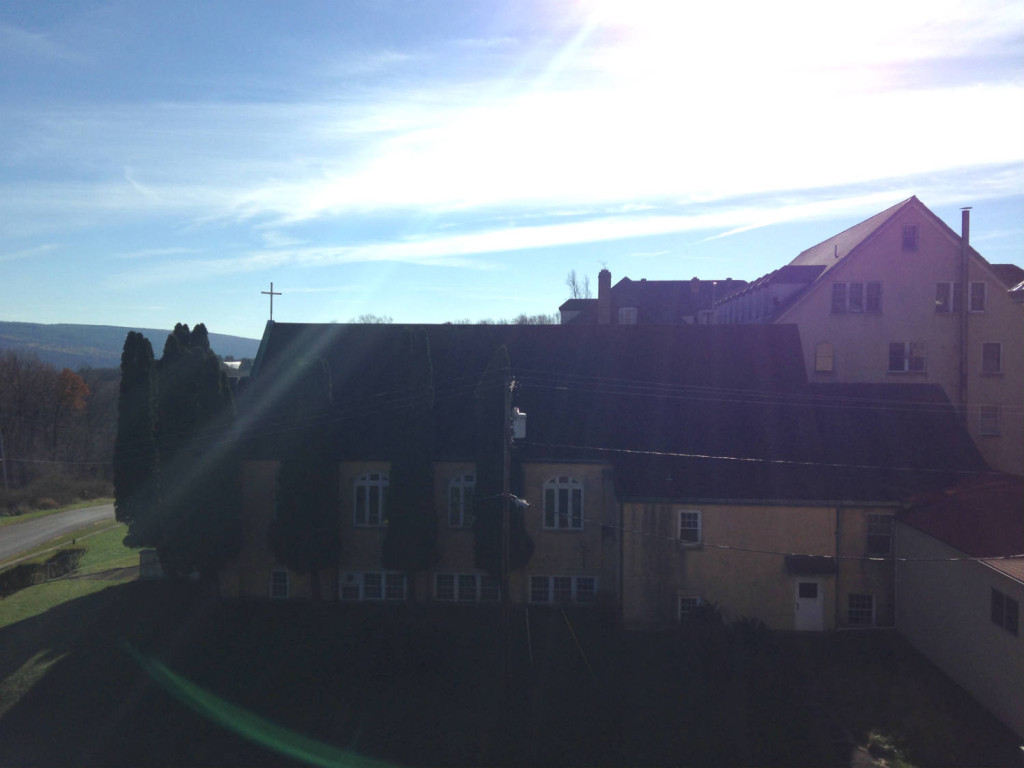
604 297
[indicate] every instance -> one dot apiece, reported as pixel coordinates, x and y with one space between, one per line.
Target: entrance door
810 606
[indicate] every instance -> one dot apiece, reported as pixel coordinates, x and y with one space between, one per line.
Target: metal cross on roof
271 293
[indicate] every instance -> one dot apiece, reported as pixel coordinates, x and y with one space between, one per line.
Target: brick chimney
604 297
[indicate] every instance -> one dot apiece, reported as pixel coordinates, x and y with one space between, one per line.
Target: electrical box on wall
518 424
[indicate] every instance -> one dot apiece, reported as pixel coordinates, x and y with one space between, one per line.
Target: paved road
20 537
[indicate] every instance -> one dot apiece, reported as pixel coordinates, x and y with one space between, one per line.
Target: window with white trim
357 586
563 589
909 240
906 357
879 534
1005 611
371 500
860 610
824 358
857 297
627 316
686 605
690 526
948 297
979 291
563 503
992 357
988 420
461 490
466 588
279 585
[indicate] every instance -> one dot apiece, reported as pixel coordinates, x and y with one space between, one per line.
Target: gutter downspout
839 562
965 238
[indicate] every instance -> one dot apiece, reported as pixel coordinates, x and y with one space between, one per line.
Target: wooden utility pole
506 491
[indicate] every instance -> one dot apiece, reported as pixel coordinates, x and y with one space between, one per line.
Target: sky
451 160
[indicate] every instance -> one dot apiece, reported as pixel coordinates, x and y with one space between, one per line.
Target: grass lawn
100 567
156 674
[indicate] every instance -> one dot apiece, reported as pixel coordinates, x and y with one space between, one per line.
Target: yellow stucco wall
741 566
592 551
861 340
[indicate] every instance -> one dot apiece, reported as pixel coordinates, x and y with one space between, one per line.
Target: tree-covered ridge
175 463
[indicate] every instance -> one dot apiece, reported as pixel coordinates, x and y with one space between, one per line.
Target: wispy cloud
35 252
20 43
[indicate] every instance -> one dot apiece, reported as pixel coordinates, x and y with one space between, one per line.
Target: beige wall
741 566
591 551
861 340
944 611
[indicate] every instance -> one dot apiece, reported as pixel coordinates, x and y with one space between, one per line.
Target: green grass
104 552
12 519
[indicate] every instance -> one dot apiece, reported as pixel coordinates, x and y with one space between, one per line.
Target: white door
810 606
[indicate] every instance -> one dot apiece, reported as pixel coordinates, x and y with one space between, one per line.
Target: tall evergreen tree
192 513
136 456
304 534
410 544
490 436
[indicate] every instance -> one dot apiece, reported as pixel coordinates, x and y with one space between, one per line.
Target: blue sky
446 160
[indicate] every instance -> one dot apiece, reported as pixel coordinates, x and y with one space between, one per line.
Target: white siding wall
944 610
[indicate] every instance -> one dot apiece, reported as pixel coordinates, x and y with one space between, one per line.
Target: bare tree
578 289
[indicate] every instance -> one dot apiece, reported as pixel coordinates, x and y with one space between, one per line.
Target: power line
689 547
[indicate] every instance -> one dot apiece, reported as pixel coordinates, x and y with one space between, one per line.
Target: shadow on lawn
424 686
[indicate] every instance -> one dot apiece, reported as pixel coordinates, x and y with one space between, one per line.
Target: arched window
824 358
563 503
461 490
371 499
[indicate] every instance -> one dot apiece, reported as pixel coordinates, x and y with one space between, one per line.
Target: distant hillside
99 346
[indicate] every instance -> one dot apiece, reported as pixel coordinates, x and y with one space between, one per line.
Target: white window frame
467 588
563 589
998 346
984 296
280 577
1005 611
855 297
879 530
824 357
686 605
988 420
690 520
949 297
461 495
627 315
563 504
363 513
908 357
910 237
372 586
864 613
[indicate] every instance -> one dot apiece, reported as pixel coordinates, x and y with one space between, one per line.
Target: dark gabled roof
830 252
680 412
825 443
658 302
982 516
788 275
669 301
1010 275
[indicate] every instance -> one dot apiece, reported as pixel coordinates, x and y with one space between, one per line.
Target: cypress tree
136 456
304 534
410 544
